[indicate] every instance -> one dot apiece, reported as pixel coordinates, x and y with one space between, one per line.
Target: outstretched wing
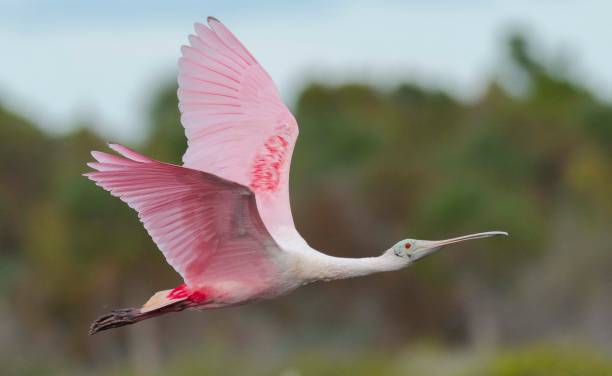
208 228
236 125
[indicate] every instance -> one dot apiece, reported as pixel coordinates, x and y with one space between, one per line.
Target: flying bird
222 219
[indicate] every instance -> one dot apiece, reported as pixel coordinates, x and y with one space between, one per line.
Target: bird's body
223 219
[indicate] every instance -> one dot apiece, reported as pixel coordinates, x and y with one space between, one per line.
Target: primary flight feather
223 219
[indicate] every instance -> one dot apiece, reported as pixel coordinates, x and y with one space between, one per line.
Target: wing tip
199 28
193 38
98 155
129 153
210 20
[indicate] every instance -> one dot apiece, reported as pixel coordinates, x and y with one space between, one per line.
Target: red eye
407 245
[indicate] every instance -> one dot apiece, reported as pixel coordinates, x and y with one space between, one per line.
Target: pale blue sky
66 60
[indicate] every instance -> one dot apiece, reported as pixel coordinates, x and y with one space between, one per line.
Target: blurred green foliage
548 360
533 360
371 166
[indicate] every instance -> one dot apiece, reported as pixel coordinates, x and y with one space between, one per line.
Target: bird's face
411 250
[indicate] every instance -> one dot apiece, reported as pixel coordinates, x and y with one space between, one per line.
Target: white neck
319 266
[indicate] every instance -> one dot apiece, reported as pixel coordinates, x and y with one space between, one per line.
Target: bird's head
411 250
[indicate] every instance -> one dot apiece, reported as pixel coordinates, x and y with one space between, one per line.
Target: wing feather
208 228
236 124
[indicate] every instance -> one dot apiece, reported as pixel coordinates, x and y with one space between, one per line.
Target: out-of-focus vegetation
371 167
548 360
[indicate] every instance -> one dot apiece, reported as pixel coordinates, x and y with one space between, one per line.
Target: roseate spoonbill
223 220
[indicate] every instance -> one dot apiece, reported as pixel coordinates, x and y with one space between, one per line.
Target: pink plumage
236 125
192 215
223 220
206 217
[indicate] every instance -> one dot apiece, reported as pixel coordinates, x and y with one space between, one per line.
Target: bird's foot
115 319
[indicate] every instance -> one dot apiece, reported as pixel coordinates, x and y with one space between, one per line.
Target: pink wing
208 228
236 125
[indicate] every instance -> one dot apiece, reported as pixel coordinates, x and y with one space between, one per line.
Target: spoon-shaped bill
427 247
